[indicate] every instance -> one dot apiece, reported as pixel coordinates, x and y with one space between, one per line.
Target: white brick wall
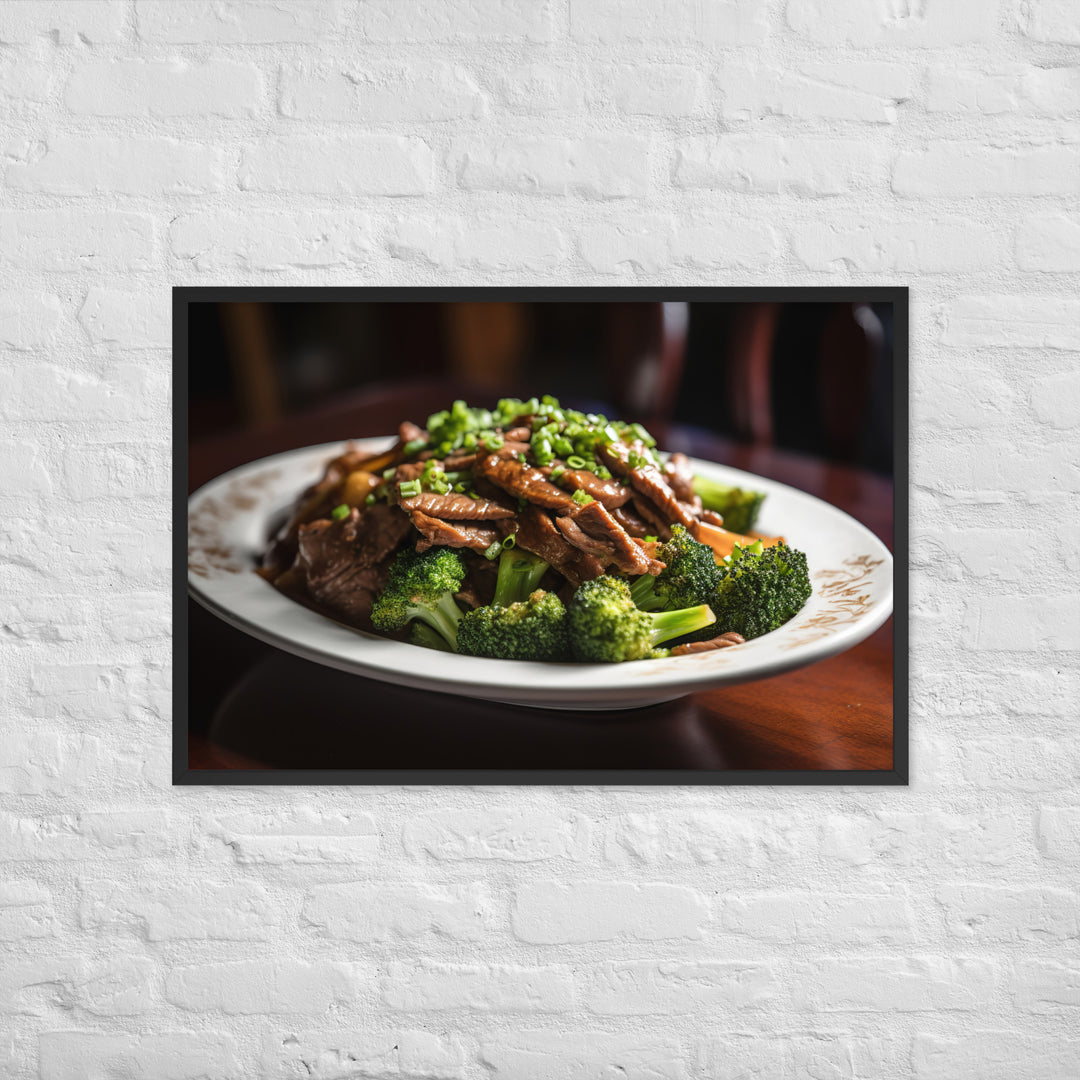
930 933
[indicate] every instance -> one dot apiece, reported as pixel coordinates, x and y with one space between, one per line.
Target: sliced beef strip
537 533
343 563
655 518
456 507
582 541
680 477
632 522
600 527
609 492
711 517
518 434
649 481
524 482
478 536
409 432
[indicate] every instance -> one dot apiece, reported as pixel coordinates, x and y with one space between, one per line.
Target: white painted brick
1034 764
640 244
333 1056
130 471
263 986
507 835
1055 400
164 88
1048 242
995 1055
583 1055
997 91
188 1055
35 762
958 401
28 320
127 320
1052 621
494 242
928 246
863 91
705 837
819 917
772 164
676 987
1059 832
242 22
448 20
1004 913
68 240
361 165
657 89
894 984
839 1055
300 835
117 834
613 22
739 241
596 167
120 987
420 92
21 468
217 911
541 88
434 987
902 839
95 21
25 79
102 165
1051 20
215 241
1038 322
965 169
1045 986
933 24
26 911
392 911
992 466
547 913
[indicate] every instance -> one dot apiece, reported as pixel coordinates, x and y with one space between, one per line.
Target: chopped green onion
492 440
603 472
582 497
339 513
414 446
575 461
557 472
651 539
563 446
370 500
409 488
387 473
461 488
509 542
522 457
472 495
493 551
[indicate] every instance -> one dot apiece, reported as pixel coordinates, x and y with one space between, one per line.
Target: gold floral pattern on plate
846 600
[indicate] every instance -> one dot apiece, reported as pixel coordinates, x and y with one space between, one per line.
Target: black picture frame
183 296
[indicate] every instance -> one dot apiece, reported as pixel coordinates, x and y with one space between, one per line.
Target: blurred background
810 377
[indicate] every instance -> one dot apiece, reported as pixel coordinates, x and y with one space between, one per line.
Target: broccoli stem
673 624
643 593
444 617
519 577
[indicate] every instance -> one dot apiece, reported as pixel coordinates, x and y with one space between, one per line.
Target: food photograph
529 536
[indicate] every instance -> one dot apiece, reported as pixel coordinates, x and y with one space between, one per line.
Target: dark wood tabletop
254 707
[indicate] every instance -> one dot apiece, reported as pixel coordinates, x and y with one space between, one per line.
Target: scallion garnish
413 446
576 461
409 488
582 497
493 551
339 513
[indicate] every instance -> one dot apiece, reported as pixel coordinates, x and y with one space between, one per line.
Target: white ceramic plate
230 518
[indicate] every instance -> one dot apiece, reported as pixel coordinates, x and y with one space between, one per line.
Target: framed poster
541 536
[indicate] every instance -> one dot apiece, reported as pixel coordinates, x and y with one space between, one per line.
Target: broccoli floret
532 629
423 635
738 507
689 578
422 586
760 589
604 626
519 576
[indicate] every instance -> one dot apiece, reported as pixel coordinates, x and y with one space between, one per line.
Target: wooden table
252 706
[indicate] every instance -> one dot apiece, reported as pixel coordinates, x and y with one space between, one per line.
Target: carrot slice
723 542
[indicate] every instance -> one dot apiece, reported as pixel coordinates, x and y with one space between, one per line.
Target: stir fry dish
534 532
